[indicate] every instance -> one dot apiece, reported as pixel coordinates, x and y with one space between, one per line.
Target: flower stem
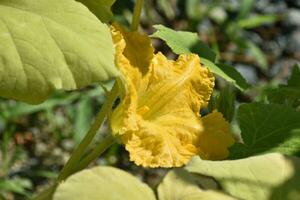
137 15
80 150
101 147
71 165
47 194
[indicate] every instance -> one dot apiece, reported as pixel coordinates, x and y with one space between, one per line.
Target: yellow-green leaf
180 185
105 183
266 177
51 45
101 8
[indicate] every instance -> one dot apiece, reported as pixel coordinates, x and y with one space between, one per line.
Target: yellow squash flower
158 117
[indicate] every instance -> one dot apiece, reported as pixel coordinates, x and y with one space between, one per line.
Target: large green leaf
105 183
101 8
267 128
186 42
179 184
266 177
49 45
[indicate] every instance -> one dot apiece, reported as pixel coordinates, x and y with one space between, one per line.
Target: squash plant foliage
67 45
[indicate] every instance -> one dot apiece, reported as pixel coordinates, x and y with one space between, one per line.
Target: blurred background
261 39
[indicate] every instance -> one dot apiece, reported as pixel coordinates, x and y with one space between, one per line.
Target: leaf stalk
137 15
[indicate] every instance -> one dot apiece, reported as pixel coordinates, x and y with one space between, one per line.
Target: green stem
71 165
47 194
101 147
80 150
137 15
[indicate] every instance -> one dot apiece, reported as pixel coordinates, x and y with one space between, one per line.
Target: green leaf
51 45
101 8
181 185
235 33
267 128
245 9
294 80
168 7
258 54
256 21
103 183
287 94
266 177
238 80
20 108
193 9
228 73
284 95
83 118
57 99
226 102
16 185
184 42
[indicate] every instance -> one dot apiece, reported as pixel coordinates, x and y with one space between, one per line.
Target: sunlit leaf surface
105 183
267 128
181 185
271 176
51 45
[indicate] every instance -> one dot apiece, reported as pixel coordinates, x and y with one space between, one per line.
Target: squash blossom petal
215 138
158 117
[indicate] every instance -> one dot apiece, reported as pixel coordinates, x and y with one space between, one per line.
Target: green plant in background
234 27
287 94
67 45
